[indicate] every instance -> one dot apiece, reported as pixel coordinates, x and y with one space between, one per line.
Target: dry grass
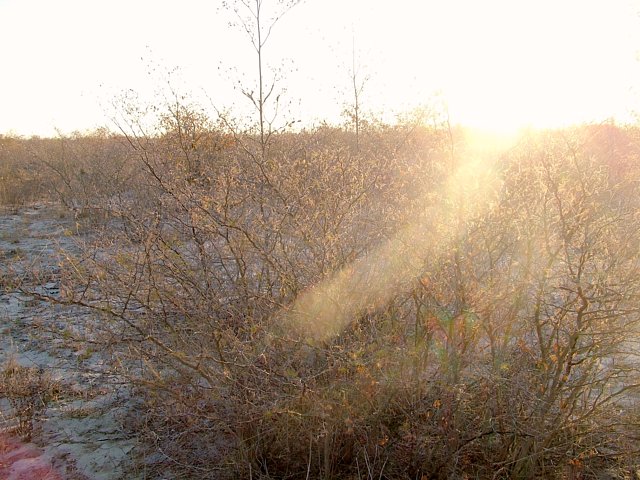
29 391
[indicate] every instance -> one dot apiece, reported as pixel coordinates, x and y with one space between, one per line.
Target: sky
496 64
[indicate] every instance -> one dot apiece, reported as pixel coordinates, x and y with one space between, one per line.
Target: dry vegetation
321 306
29 391
364 301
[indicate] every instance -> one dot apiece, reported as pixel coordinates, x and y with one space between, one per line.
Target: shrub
29 390
307 310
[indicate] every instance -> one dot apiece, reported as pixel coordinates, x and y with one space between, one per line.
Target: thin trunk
260 79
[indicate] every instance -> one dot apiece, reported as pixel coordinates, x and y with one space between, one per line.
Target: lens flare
371 281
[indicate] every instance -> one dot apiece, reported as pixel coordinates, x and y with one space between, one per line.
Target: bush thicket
398 303
414 307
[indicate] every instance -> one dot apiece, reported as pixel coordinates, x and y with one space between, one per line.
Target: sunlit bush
405 309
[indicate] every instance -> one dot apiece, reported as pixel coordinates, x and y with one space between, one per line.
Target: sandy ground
80 435
25 461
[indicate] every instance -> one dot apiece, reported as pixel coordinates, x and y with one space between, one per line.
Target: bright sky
499 64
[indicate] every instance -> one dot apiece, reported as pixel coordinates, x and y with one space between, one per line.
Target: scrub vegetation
411 307
368 300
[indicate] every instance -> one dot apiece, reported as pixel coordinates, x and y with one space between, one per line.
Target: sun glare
369 282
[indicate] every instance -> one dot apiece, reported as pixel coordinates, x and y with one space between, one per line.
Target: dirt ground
25 461
80 434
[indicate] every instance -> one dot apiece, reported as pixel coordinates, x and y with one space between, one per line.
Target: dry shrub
29 390
20 182
499 349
